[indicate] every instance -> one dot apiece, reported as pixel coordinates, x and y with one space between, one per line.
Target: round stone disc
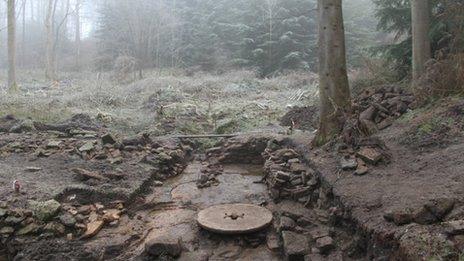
234 218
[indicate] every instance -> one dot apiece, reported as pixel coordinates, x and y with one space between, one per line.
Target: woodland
231 130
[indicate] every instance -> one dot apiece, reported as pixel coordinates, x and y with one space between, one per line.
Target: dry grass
444 77
373 72
163 102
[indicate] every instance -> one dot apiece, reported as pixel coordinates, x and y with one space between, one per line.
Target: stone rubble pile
287 177
305 234
76 214
371 151
244 149
168 157
378 108
48 219
304 223
373 110
208 173
168 160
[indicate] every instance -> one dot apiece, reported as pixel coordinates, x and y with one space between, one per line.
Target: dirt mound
303 118
78 122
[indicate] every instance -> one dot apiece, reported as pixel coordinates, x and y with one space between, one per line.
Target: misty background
269 36
193 66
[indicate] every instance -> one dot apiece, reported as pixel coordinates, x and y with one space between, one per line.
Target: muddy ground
90 195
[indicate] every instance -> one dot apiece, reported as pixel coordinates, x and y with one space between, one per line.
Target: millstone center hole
234 216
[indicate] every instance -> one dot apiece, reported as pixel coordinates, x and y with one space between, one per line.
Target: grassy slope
161 102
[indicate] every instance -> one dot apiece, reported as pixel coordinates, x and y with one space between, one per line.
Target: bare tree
421 50
271 10
60 29
32 10
49 52
173 36
23 38
77 34
12 85
333 86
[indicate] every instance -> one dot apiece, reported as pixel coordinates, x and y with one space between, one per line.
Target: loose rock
164 244
54 144
3 212
399 217
88 146
93 228
272 241
370 155
6 230
29 229
348 163
286 223
45 210
108 139
67 220
319 233
55 228
325 244
293 209
296 246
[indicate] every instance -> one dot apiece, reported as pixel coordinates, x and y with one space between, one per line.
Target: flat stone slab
234 218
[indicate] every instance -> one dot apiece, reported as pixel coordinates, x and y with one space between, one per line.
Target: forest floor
87 189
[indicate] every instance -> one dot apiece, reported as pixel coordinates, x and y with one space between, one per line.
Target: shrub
444 77
373 72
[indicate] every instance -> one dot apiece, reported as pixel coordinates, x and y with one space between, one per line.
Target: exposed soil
136 198
399 189
303 118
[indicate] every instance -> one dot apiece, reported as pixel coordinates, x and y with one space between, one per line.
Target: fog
231 130
270 36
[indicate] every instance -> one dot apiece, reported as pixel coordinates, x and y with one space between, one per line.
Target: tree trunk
334 90
49 55
421 50
32 11
60 30
12 85
173 30
78 35
23 38
67 6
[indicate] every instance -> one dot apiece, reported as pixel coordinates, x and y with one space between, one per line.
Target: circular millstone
234 218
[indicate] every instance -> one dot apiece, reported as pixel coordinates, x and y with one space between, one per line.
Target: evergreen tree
270 36
395 18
